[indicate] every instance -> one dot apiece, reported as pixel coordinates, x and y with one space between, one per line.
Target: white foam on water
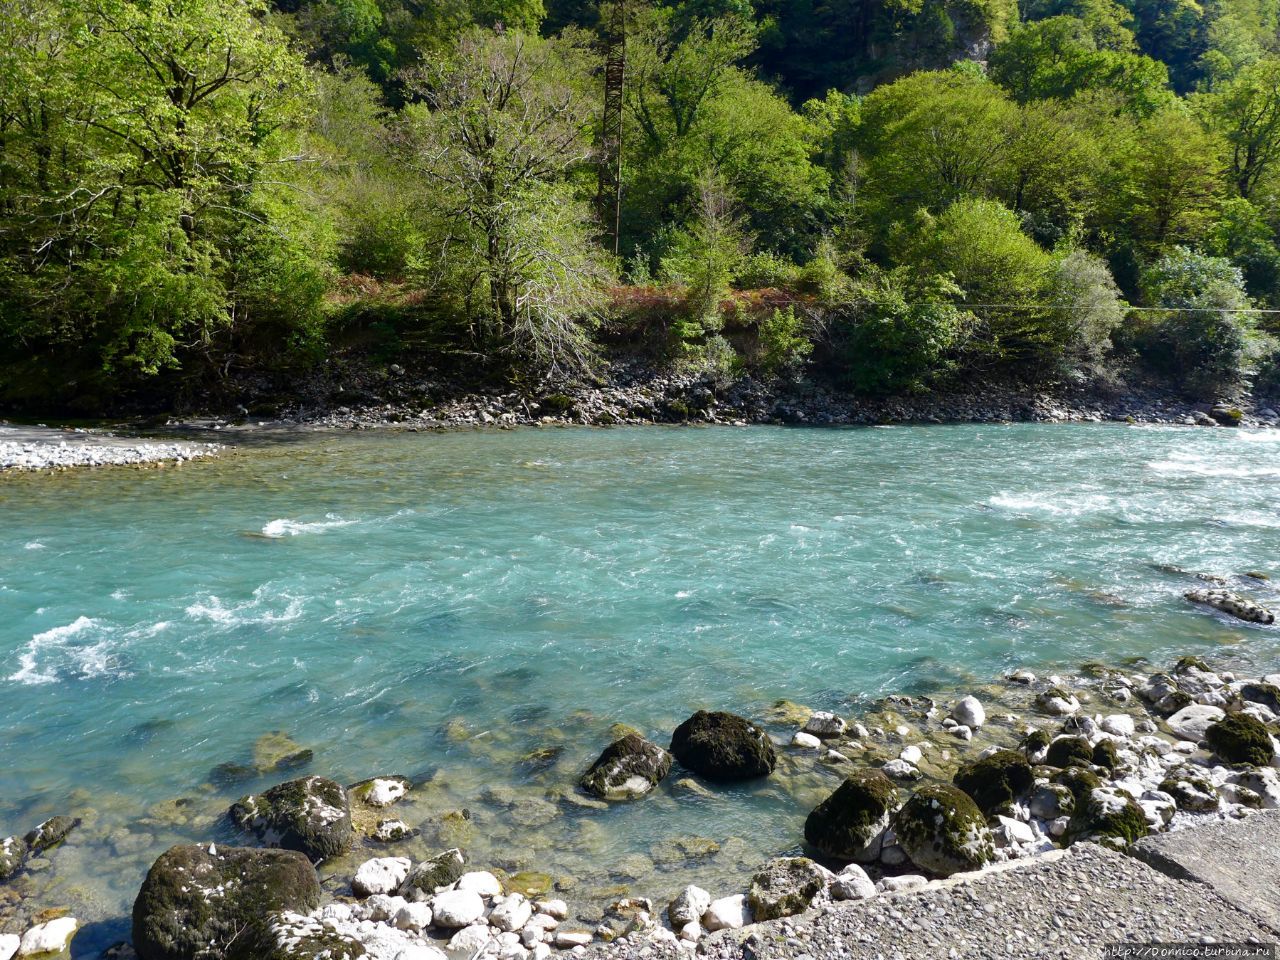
292 528
1054 504
33 545
214 610
1198 465
50 655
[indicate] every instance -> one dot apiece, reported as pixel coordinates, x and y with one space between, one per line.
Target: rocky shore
43 448
926 791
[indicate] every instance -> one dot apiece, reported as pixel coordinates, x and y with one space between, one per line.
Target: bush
1201 343
1091 306
782 343
896 333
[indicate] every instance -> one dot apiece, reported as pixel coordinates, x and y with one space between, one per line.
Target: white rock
862 732
421 951
961 731
691 904
383 793
690 932
541 951
1022 676
900 770
457 908
513 951
338 912
554 908
806 741
469 941
568 939
1119 725
1059 826
413 916
9 945
1016 831
852 883
909 881
1192 721
511 913
911 754
389 830
482 882
381 875
52 937
381 907
727 913
968 711
824 724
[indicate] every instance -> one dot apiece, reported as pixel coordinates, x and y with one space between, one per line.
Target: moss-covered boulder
1190 791
13 856
723 746
1035 746
198 898
294 936
1240 738
785 887
1049 801
628 768
942 831
996 781
1267 694
1108 816
1069 752
1105 755
429 875
1079 780
50 834
849 823
310 815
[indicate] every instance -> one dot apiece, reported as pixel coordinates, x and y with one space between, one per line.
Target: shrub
782 342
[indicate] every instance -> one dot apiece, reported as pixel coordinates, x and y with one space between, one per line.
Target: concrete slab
1238 859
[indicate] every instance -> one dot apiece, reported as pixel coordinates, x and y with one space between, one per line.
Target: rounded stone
723 746
849 823
942 831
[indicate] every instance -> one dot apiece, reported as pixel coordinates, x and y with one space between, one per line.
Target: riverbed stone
1049 801
311 815
13 855
430 875
379 792
455 909
1069 752
995 781
1190 791
825 725
689 906
969 712
1240 738
48 939
848 825
784 887
727 913
628 768
1109 816
380 875
1232 604
942 831
9 943
852 883
196 895
1191 722
1057 702
723 746
49 834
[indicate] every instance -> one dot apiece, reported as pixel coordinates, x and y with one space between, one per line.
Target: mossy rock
788 713
50 834
1267 694
723 746
1190 791
528 883
784 888
557 404
13 856
1187 664
440 871
1104 755
1240 738
1035 743
942 830
848 824
628 768
294 937
198 898
1069 752
996 781
1174 702
1079 780
1108 816
311 815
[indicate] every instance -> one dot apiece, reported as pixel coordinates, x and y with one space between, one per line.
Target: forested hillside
893 195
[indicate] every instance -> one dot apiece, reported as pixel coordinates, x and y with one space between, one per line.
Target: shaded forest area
200 199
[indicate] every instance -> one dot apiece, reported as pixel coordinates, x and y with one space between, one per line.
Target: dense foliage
196 191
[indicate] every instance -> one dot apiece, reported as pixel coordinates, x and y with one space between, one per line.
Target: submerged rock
996 780
848 824
1232 604
942 830
310 815
628 768
49 834
784 887
723 746
200 897
1240 738
13 856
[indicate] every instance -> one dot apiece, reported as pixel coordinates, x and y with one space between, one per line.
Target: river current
476 610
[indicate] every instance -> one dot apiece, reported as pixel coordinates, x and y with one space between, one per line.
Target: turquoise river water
442 605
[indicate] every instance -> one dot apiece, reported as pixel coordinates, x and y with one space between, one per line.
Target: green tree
1247 112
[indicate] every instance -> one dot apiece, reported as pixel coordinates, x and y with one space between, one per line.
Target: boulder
1069 752
379 791
1232 604
688 907
13 856
806 741
429 875
727 913
310 815
723 746
1190 791
852 883
455 909
848 824
1240 738
381 875
197 895
1109 816
942 831
48 939
995 781
1191 722
628 768
825 725
968 712
1079 780
784 887
49 834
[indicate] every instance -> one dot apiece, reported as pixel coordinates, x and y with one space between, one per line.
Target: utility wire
1127 309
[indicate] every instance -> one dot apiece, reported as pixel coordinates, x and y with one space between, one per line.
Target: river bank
24 448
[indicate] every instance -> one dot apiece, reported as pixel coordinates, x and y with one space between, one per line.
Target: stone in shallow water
849 824
968 711
723 746
381 875
310 815
824 724
628 768
53 937
1232 604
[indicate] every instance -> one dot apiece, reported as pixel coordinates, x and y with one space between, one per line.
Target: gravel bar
46 448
